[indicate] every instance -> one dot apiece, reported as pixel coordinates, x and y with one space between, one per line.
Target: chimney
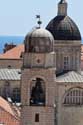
8 47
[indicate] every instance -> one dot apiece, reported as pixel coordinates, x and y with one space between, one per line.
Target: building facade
12 58
10 84
51 80
37 93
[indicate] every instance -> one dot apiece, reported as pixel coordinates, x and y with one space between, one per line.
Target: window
37 117
16 95
66 63
9 66
74 97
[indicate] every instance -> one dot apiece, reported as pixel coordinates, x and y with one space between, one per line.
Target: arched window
16 95
74 97
37 94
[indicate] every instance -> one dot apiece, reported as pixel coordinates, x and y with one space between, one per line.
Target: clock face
38 59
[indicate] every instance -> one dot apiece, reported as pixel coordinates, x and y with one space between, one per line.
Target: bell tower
38 79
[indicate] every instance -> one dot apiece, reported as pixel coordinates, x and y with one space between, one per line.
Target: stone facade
10 88
29 112
52 82
38 83
68 49
68 114
51 79
11 63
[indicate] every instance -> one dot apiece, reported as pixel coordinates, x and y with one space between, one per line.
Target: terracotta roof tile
9 114
6 106
14 53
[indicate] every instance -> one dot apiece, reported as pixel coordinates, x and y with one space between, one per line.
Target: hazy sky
17 17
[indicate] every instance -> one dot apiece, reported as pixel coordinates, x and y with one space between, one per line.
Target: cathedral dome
39 41
63 28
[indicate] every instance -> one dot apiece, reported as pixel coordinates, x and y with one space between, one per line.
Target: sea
10 39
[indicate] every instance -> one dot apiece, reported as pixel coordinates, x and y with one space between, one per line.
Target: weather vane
39 22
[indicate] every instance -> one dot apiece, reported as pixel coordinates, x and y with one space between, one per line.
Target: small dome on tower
39 41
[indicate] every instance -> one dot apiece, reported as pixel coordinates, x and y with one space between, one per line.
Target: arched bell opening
37 92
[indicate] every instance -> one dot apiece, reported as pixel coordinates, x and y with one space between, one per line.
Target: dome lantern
62 8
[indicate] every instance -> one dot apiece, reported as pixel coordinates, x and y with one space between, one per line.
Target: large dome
39 40
63 28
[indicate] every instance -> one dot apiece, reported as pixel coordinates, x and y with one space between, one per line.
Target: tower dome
62 26
39 41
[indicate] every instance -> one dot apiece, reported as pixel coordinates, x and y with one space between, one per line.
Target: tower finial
39 22
62 8
62 1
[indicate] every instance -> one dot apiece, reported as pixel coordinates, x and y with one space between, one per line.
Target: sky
17 17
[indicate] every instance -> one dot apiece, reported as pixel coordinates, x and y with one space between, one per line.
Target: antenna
39 22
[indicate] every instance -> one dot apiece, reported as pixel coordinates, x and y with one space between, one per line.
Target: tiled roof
10 74
9 115
7 106
71 76
14 53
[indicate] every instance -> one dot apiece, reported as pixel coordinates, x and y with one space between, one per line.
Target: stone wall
46 113
68 114
11 63
69 49
7 87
